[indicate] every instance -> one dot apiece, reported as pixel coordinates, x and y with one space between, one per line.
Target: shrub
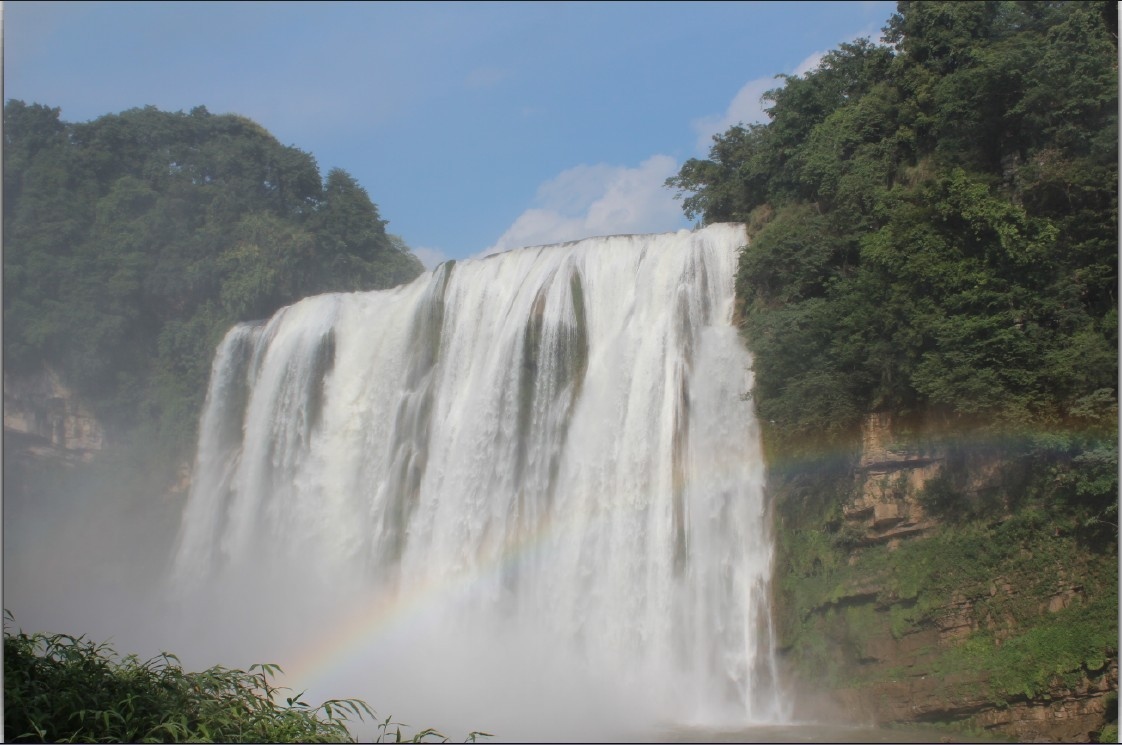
60 688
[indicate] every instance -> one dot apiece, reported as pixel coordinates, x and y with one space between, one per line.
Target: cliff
44 418
921 581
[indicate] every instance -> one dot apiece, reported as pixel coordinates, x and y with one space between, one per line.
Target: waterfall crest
557 436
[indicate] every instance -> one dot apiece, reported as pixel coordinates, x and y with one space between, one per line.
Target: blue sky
474 126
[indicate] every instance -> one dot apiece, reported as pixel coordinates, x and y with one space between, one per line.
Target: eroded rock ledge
1063 714
43 417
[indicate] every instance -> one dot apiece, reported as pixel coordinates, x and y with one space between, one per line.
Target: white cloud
587 201
808 64
747 106
430 257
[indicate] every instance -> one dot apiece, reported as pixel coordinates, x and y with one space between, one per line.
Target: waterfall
553 442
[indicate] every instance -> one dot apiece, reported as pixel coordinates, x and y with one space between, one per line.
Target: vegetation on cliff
934 233
134 241
935 223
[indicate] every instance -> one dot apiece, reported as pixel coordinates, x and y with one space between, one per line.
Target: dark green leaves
138 238
58 688
934 224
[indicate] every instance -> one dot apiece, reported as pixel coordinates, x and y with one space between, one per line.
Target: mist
84 557
522 496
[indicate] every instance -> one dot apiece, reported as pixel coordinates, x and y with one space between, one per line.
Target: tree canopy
934 223
132 242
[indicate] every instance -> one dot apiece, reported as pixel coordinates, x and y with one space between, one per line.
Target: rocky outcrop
889 476
42 416
893 659
1062 714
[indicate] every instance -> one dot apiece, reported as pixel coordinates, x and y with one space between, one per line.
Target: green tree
132 242
354 248
945 205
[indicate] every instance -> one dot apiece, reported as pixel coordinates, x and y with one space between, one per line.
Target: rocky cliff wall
43 416
915 607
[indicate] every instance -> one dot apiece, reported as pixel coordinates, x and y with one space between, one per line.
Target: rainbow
383 613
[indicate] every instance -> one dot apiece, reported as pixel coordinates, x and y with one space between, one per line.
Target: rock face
1064 714
43 416
889 475
890 655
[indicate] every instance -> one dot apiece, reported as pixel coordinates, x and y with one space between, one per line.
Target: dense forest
935 222
934 239
134 241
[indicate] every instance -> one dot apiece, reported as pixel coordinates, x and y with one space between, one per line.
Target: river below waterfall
814 732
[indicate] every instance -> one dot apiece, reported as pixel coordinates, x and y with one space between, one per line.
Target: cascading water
546 451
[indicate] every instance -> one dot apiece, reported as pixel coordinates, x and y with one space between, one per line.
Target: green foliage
60 688
933 231
941 223
132 242
1005 568
1062 647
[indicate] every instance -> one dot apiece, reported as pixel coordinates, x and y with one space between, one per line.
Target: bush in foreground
60 688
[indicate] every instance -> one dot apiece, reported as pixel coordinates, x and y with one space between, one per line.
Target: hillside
134 241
